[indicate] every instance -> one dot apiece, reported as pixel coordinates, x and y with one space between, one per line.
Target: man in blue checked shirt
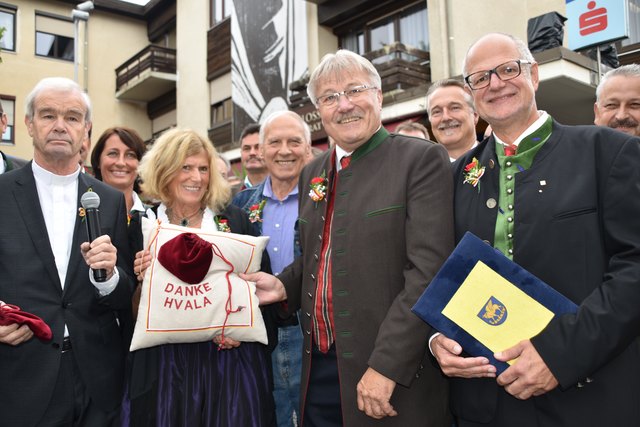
285 144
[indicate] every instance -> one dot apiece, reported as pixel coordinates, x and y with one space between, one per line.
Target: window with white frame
8 23
408 26
220 10
221 112
54 36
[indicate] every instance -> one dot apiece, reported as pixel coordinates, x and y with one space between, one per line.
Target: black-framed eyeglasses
507 71
331 99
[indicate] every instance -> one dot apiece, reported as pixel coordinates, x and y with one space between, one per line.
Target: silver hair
264 125
630 70
450 83
333 64
62 84
521 47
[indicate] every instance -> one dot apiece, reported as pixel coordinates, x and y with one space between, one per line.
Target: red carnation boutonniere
255 211
318 188
222 224
473 172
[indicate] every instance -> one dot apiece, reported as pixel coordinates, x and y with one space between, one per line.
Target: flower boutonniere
318 188
255 211
222 224
473 172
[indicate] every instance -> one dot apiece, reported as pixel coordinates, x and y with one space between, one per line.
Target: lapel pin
542 184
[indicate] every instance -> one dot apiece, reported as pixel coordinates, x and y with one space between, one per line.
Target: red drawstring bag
186 256
10 314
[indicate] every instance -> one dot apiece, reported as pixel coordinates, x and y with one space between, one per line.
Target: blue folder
453 273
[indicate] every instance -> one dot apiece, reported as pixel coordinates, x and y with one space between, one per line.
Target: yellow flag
494 311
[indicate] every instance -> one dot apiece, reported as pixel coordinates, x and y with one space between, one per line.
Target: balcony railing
152 58
401 66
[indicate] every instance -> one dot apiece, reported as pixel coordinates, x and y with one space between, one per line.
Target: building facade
213 65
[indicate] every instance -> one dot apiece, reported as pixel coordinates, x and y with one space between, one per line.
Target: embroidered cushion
192 291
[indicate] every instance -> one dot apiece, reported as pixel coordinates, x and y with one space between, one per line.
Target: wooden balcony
401 67
147 75
219 50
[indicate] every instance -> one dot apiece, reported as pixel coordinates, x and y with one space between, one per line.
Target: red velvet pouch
187 256
10 314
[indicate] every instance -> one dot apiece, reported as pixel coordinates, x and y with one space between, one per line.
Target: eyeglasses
507 71
331 99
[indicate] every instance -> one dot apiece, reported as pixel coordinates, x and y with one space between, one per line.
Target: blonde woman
196 384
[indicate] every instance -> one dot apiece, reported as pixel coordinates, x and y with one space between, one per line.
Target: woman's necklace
185 221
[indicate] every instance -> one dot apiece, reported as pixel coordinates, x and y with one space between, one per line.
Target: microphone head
90 200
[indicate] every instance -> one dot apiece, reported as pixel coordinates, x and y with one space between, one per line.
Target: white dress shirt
58 197
542 117
340 153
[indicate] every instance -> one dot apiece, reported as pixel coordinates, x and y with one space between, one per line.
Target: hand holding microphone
99 253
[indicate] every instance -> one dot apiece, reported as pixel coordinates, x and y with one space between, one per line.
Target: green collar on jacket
373 143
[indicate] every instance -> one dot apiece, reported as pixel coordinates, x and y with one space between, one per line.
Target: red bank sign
595 22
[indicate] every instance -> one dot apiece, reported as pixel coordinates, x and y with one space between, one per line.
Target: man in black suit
563 202
76 377
7 162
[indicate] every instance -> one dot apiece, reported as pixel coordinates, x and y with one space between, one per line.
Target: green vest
509 167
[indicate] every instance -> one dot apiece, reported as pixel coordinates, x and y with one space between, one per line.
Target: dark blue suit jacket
576 228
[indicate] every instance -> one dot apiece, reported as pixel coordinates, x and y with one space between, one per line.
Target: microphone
90 201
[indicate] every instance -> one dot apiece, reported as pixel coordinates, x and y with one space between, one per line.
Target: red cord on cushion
228 306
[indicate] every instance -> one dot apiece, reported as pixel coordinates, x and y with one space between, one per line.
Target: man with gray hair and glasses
618 100
562 202
375 224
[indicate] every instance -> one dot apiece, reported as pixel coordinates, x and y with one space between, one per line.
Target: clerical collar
50 178
531 129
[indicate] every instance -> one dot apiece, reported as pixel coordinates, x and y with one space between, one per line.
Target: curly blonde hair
166 157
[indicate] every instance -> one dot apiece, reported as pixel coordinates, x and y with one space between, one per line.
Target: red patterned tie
510 150
345 161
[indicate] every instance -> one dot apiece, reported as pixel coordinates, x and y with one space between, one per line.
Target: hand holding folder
486 302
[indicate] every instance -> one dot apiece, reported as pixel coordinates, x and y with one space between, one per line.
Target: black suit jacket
29 279
11 162
576 228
